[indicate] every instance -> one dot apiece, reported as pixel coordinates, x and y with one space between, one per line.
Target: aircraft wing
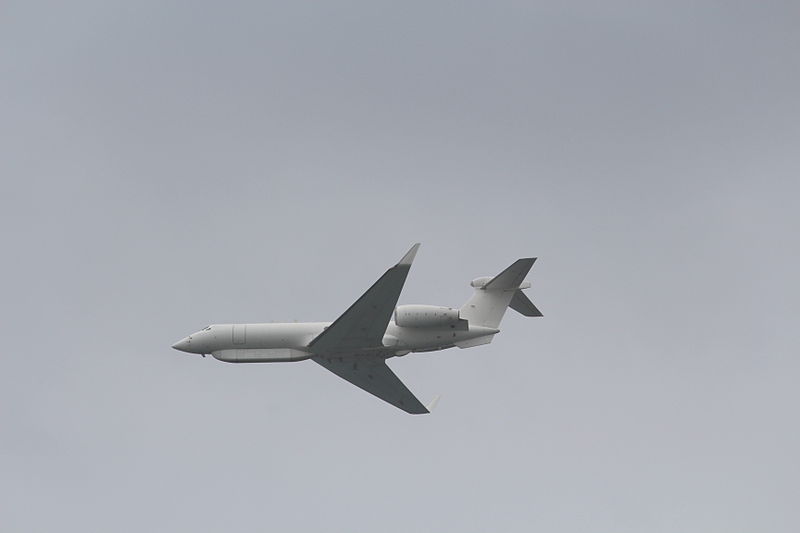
363 325
372 374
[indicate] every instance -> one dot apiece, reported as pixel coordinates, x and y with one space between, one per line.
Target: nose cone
184 345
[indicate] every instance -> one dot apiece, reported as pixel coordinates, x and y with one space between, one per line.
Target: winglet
433 403
409 257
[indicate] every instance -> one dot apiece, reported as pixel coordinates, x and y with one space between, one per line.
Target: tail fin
494 295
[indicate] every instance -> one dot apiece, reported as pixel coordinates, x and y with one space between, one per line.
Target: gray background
166 165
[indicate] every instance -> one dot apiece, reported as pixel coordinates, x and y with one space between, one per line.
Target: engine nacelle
425 316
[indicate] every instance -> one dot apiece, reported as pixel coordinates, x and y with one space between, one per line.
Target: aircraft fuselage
283 342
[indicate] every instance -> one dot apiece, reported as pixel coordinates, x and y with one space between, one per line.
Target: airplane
356 345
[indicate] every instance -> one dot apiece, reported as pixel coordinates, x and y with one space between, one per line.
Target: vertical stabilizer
493 296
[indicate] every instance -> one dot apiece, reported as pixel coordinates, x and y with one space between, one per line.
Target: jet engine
425 316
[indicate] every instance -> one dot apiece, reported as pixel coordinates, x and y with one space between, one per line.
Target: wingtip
409 257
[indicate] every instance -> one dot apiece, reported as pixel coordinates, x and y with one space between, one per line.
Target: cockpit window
207 328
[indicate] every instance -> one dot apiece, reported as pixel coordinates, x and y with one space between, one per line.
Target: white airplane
356 345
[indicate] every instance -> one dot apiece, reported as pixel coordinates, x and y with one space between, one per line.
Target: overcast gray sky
166 165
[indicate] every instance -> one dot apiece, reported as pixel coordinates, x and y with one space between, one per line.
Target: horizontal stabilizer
513 276
522 305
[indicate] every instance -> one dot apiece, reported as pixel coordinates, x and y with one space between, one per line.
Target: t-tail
494 295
